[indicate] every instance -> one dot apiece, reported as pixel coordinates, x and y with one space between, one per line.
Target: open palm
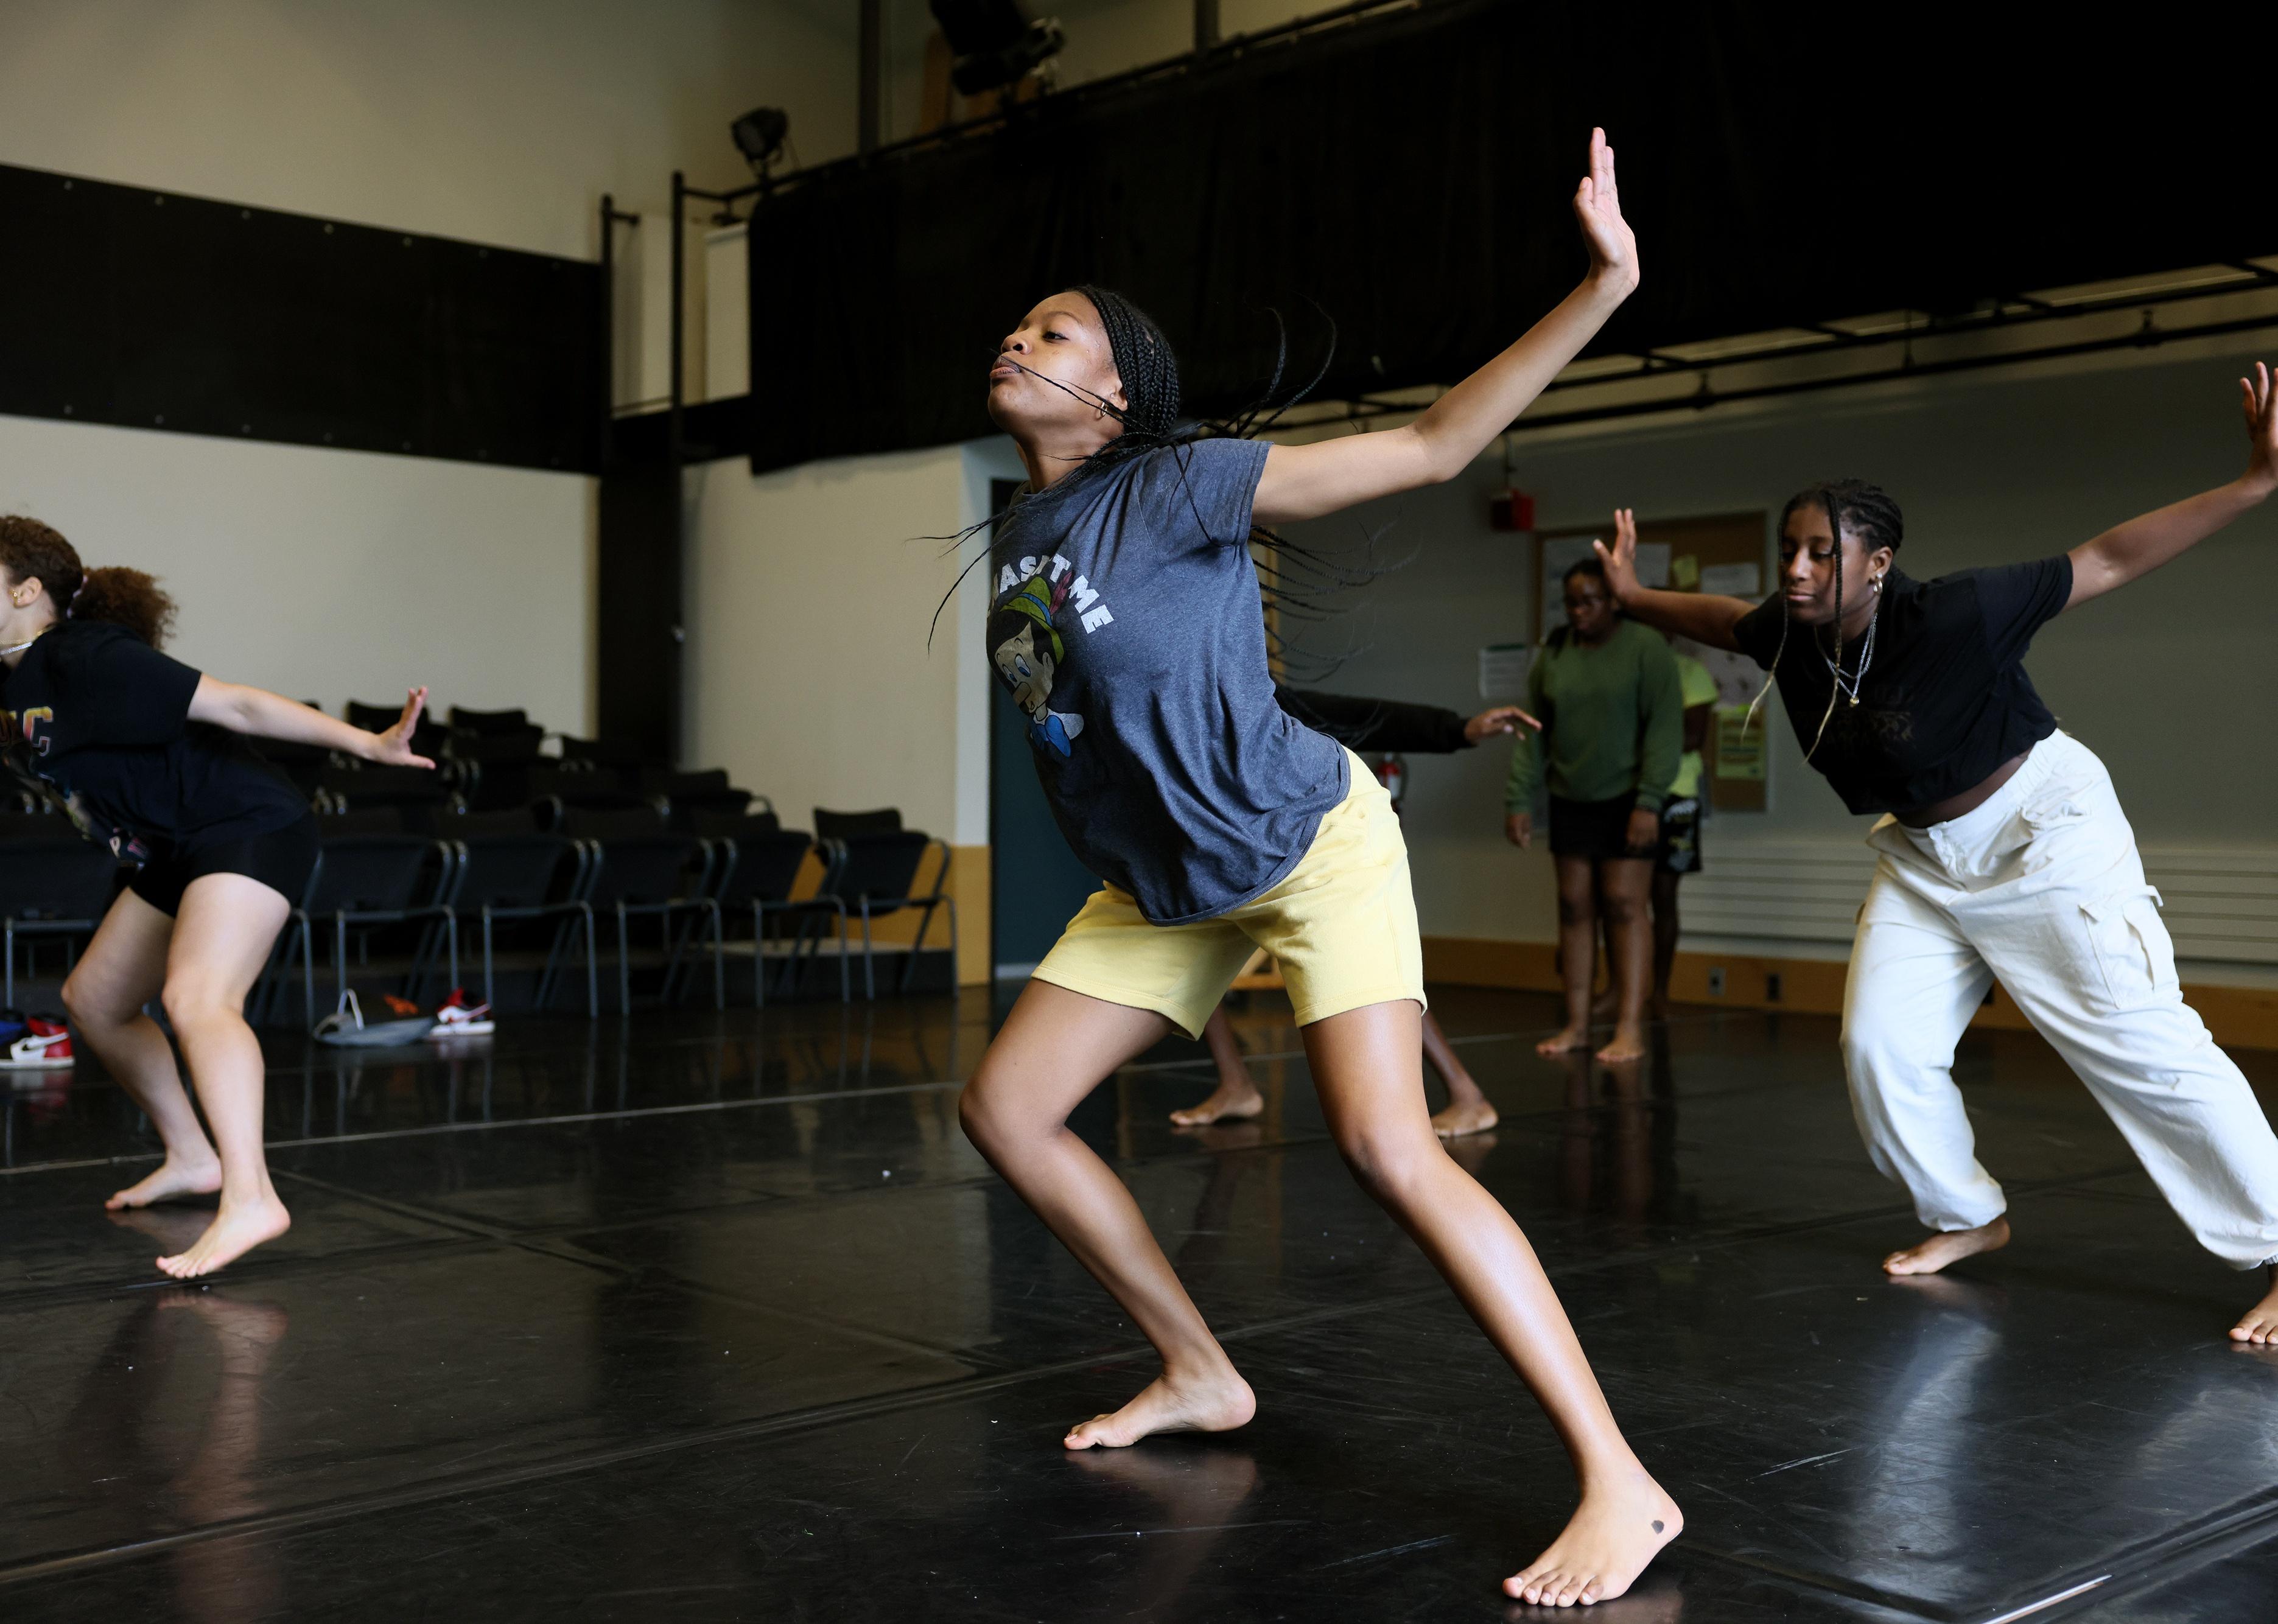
2261 406
393 748
1598 207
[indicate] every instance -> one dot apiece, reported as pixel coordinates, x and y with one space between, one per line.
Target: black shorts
282 861
1680 837
1598 830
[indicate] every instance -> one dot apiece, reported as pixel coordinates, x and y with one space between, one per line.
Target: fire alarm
1510 510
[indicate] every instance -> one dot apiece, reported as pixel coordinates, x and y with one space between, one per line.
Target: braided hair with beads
1867 512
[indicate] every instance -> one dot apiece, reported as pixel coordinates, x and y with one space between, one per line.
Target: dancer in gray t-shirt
1125 623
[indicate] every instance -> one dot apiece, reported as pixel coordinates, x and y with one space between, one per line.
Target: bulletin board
1724 553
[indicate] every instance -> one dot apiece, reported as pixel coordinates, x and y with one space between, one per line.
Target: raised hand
1501 718
1620 559
1598 207
393 748
2261 406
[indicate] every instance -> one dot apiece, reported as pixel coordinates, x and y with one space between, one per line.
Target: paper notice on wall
1740 748
1736 675
1503 670
1732 581
1685 572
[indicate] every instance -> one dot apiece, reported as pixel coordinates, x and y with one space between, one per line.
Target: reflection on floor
720 1317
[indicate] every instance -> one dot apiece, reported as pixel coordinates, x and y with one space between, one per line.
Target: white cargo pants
2042 886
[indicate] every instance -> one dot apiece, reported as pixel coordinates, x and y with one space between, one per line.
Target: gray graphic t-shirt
1125 619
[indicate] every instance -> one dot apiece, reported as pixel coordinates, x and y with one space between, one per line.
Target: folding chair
55 887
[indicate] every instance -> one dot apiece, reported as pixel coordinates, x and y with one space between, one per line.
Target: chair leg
917 944
9 996
308 975
593 971
718 957
490 980
846 988
759 956
869 978
624 966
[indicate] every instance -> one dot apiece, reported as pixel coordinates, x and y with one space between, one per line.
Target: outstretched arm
2144 543
256 711
1701 616
1305 482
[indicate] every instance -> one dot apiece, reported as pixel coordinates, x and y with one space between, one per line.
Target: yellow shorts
1341 926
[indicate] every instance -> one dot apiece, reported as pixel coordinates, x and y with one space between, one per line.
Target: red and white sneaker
46 1046
457 1019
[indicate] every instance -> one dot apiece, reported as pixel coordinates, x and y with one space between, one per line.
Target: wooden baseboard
2239 1017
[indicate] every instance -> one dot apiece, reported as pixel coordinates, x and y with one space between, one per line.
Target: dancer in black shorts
145 754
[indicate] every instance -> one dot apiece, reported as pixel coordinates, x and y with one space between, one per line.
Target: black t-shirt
99 721
1945 700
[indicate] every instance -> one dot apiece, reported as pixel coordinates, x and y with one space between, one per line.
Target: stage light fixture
759 136
995 42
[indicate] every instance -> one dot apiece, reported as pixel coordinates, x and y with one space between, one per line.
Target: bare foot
2259 1323
1228 1103
1566 1041
1613 1534
234 1231
1628 1044
1463 1117
1929 1256
175 1178
1209 1406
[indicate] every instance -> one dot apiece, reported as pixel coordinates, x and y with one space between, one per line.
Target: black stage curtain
1411 179
150 309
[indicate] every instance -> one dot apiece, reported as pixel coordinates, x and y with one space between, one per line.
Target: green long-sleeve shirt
1613 721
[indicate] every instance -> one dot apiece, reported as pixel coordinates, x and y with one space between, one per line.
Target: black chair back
765 864
369 874
504 820
842 826
414 791
600 752
62 877
634 822
883 866
492 721
719 825
303 764
513 870
656 867
365 821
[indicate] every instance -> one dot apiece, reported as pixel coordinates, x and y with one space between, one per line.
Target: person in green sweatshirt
1613 729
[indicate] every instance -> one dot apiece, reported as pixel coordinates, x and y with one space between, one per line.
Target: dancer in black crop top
149 757
2003 854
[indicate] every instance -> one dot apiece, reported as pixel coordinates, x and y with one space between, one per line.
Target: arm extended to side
2140 544
1704 618
259 714
1306 482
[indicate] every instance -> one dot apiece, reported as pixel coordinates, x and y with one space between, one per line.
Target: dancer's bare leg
222 938
1365 1066
1623 886
1054 1048
1467 1111
1236 1094
122 969
1664 939
1578 952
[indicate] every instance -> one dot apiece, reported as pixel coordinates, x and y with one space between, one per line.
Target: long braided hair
1301 579
1867 512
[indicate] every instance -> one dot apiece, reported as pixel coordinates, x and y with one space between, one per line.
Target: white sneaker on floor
45 1046
457 1019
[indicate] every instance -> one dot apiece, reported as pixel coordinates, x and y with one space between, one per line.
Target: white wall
2161 680
810 591
326 575
500 122
332 575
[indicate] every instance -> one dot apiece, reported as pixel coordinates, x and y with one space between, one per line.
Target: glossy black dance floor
712 1317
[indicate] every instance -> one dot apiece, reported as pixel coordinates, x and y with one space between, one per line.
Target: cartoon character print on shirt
1028 653
24 745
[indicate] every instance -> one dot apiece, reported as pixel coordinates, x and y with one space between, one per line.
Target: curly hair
128 597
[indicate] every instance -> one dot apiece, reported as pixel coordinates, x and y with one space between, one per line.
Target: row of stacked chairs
481 871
